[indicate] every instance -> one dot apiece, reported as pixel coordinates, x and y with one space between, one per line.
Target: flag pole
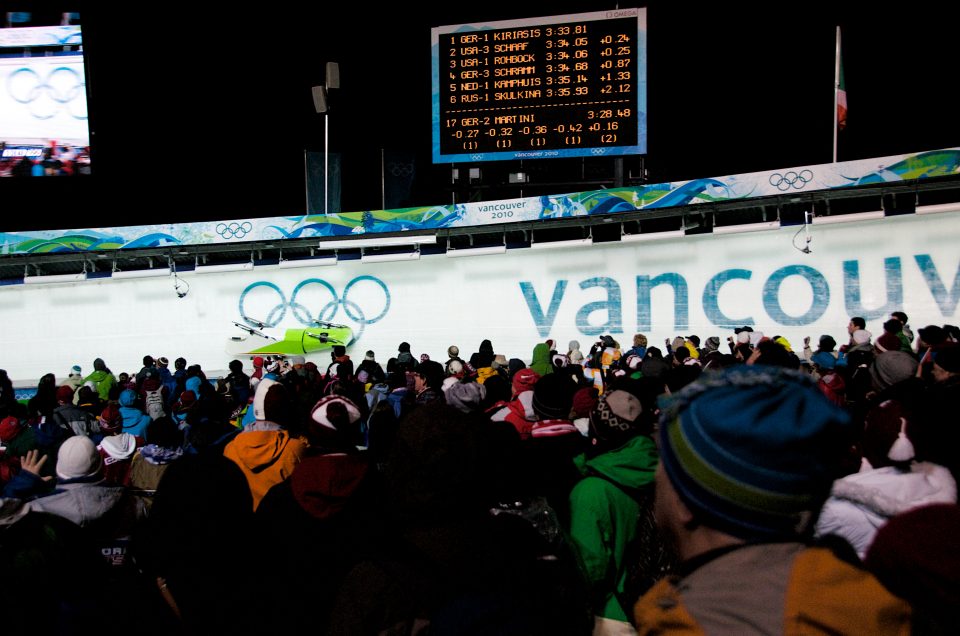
836 96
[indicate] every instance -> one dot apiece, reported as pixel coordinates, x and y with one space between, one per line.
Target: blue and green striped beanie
753 450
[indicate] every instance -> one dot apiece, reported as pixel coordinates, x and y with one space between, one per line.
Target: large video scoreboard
560 86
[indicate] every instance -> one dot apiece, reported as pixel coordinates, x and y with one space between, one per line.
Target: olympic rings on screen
45 96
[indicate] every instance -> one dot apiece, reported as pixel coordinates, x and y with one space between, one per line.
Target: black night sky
205 113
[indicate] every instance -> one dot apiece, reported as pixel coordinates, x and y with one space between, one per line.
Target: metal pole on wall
326 162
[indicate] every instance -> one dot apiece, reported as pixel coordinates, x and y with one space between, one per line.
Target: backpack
153 404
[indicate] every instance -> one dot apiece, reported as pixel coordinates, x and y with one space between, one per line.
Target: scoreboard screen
561 86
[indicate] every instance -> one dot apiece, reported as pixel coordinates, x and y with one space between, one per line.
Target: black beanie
553 396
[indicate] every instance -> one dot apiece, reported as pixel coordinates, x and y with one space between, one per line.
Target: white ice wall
515 299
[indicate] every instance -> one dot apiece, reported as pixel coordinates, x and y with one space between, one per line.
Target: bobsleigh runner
259 340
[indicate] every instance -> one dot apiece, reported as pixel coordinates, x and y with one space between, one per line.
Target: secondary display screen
561 86
43 98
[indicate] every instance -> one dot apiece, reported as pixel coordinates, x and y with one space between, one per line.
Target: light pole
321 105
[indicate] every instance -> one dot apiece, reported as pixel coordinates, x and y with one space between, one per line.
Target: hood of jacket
324 484
193 384
128 397
119 447
631 466
541 359
257 450
889 491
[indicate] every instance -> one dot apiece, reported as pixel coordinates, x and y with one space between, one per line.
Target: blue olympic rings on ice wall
326 313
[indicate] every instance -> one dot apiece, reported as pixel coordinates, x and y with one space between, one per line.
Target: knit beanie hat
9 428
369 356
861 336
553 396
614 419
827 343
162 361
258 362
75 369
277 405
560 360
111 421
584 401
78 457
65 394
524 380
466 396
186 401
713 343
892 367
753 451
335 412
453 351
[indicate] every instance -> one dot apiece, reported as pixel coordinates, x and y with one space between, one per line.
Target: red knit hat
111 421
65 393
9 428
524 380
584 401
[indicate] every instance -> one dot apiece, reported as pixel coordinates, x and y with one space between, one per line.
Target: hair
899 315
893 326
639 340
148 361
859 322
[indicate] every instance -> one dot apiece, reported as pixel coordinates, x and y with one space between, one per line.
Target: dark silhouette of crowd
736 487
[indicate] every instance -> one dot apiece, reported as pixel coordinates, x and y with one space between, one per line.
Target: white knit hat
862 336
78 457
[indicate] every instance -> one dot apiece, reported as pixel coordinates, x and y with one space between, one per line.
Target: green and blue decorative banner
742 187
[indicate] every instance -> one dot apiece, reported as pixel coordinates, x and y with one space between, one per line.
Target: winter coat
861 503
76 420
772 588
266 454
86 502
519 413
104 381
604 514
117 453
319 523
135 421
